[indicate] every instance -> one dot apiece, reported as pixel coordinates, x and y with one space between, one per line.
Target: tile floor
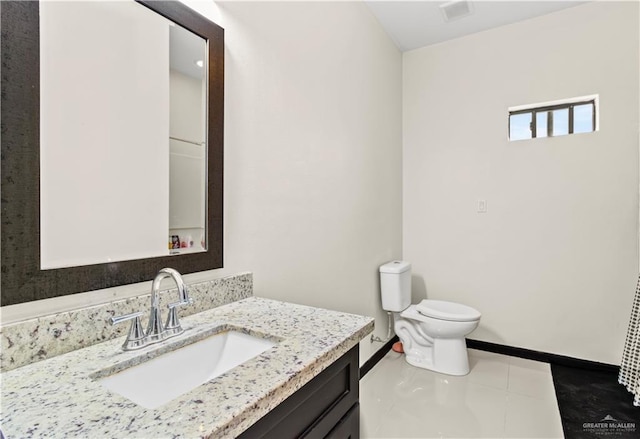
502 397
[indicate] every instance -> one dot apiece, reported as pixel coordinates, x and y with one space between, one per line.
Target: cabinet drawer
314 410
348 427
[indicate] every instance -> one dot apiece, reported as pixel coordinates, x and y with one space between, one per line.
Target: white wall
552 265
187 96
313 152
313 121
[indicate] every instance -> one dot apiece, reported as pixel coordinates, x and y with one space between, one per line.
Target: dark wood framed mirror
22 279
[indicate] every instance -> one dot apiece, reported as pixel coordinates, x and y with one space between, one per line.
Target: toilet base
446 353
447 356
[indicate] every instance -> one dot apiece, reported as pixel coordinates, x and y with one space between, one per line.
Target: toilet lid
440 309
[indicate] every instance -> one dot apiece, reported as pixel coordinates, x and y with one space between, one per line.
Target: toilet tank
395 285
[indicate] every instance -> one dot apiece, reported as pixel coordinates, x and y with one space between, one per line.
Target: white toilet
433 331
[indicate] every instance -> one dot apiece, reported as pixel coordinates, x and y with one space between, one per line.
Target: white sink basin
159 380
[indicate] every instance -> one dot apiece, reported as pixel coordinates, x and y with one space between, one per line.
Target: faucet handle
188 301
136 337
173 327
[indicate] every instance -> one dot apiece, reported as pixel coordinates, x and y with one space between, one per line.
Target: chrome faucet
156 331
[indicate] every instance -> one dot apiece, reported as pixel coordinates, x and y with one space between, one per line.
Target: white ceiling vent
456 9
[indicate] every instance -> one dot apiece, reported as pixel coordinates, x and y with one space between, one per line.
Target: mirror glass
134 126
122 134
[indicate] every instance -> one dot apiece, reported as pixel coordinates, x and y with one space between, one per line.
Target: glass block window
554 120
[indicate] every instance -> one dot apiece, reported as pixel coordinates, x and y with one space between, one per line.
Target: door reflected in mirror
123 144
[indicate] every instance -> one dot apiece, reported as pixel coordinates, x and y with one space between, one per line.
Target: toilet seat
451 311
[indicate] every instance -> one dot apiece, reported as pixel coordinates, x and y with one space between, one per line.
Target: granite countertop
59 398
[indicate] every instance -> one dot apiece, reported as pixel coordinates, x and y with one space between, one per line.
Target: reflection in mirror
123 143
187 144
100 118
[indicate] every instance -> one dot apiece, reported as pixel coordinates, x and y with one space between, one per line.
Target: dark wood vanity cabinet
325 407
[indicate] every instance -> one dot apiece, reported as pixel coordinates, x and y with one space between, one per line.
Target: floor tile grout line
506 402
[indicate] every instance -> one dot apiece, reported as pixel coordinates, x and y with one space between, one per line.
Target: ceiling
413 24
